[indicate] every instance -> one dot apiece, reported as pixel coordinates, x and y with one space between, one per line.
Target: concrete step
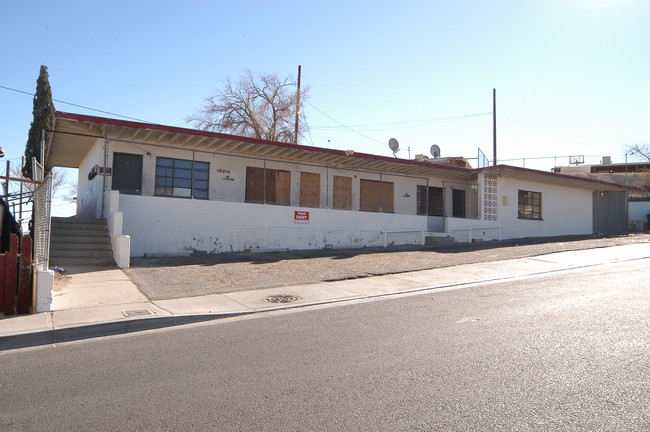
80 241
74 220
59 239
81 254
80 232
439 241
61 246
63 262
79 226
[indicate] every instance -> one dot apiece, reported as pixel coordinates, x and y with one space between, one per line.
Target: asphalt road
563 352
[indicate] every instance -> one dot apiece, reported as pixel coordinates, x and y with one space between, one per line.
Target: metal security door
127 173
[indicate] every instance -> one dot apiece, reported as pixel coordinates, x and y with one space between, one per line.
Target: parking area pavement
179 277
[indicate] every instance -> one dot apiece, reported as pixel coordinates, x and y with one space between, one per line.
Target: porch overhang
74 136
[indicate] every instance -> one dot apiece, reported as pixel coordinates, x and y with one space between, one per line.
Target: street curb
69 334
113 328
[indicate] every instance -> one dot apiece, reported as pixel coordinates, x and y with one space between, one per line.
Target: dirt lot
166 278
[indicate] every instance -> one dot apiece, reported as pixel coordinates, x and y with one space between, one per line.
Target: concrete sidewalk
96 301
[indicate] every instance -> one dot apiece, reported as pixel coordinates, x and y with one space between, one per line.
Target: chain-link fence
138 168
41 220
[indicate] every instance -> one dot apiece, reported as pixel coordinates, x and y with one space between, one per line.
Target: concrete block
115 222
122 250
44 286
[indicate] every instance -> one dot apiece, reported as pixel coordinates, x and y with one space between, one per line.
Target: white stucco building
177 191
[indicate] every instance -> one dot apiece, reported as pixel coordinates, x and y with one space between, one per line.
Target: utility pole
494 126
295 140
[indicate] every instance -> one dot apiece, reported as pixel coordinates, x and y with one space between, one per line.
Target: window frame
529 205
430 201
376 196
174 185
267 186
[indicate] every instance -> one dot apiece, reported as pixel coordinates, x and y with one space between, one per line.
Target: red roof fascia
196 132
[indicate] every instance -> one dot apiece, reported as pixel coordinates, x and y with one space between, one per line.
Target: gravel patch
177 277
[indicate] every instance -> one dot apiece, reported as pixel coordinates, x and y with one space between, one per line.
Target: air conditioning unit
421 157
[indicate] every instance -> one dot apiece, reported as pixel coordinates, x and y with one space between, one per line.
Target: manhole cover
139 312
283 298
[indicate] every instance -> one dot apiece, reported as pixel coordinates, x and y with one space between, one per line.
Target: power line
542 133
346 127
79 106
408 124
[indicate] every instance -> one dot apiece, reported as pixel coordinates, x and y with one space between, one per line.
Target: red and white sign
301 217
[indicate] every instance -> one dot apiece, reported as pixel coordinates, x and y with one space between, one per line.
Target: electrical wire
79 106
410 124
344 126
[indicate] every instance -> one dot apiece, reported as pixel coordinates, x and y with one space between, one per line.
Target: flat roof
75 134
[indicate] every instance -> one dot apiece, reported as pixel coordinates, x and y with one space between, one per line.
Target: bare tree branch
257 105
639 151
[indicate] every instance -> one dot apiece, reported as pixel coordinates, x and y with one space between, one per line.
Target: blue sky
571 75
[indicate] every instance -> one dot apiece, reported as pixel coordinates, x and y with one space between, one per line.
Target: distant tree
44 114
638 151
258 105
58 181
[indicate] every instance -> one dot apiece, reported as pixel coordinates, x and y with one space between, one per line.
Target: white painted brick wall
177 226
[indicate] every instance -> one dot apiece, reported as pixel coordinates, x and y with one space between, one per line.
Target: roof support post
105 164
264 182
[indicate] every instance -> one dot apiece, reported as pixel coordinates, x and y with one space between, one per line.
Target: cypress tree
44 114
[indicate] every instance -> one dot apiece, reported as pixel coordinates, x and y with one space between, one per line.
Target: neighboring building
180 191
634 174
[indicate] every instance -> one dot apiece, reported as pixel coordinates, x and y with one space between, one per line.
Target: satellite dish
393 145
435 151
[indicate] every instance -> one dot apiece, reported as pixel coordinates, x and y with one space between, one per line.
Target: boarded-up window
277 182
342 193
309 189
376 196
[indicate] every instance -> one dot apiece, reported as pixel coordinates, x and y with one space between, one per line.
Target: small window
182 178
530 205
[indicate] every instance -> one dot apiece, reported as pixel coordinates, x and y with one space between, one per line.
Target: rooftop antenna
295 135
393 144
494 127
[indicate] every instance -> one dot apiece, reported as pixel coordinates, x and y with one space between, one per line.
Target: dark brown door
127 173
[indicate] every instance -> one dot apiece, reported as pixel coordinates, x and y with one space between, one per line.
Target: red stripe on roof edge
197 132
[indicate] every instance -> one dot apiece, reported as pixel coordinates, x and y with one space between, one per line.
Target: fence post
10 276
3 267
25 276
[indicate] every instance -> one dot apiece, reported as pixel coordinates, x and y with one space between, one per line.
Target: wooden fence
16 277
